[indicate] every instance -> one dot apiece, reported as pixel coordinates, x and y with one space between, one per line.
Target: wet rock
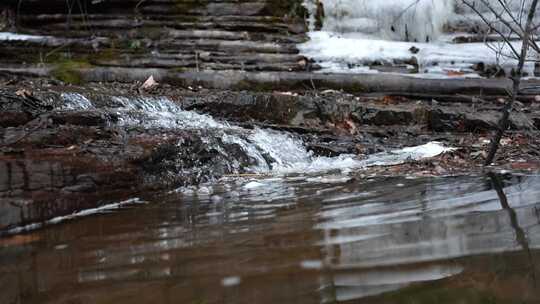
276 108
441 121
82 118
75 155
330 149
194 157
166 34
83 183
384 117
14 118
414 50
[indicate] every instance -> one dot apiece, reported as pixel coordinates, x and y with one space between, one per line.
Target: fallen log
269 81
456 98
362 83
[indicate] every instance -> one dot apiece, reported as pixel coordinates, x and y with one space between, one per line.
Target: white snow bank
413 20
357 33
337 54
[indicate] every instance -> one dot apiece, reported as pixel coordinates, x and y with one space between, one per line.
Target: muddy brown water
321 239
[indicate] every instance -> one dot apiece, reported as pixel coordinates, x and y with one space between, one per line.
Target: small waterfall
269 151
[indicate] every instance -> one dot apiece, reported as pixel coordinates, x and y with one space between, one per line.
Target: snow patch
77 214
338 54
405 20
253 185
358 33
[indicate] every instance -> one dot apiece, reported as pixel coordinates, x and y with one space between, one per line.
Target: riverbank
68 148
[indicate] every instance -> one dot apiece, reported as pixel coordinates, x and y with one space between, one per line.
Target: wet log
200 65
351 83
525 97
265 81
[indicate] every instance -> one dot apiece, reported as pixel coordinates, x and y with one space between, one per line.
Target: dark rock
81 118
14 118
441 121
385 117
57 162
414 50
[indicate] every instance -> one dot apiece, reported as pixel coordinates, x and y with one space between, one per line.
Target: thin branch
488 23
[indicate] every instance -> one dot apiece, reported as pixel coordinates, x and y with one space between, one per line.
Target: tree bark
516 81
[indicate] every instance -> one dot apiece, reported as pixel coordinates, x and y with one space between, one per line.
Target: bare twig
516 81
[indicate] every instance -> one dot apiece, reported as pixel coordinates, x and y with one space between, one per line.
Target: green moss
255 86
135 44
184 6
187 18
109 54
153 33
69 71
356 88
291 9
181 69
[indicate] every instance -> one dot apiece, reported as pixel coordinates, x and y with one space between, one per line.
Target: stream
126 197
322 238
279 225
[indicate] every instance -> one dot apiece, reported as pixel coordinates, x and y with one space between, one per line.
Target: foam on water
8 36
75 102
161 112
273 151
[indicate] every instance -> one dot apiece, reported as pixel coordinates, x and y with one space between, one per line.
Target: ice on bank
359 36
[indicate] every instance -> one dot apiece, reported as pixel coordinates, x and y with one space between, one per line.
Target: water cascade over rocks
89 150
245 150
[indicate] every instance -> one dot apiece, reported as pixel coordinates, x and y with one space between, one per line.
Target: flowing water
312 230
270 151
296 239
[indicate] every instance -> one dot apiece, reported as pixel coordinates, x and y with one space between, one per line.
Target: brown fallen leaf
454 73
149 84
23 93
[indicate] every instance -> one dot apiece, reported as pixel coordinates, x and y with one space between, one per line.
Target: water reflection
293 240
435 223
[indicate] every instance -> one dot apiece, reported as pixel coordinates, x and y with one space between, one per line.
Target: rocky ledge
60 154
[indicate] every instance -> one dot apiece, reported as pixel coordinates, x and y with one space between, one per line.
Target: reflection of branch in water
520 234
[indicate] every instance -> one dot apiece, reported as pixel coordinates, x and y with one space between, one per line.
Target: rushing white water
274 152
8 36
